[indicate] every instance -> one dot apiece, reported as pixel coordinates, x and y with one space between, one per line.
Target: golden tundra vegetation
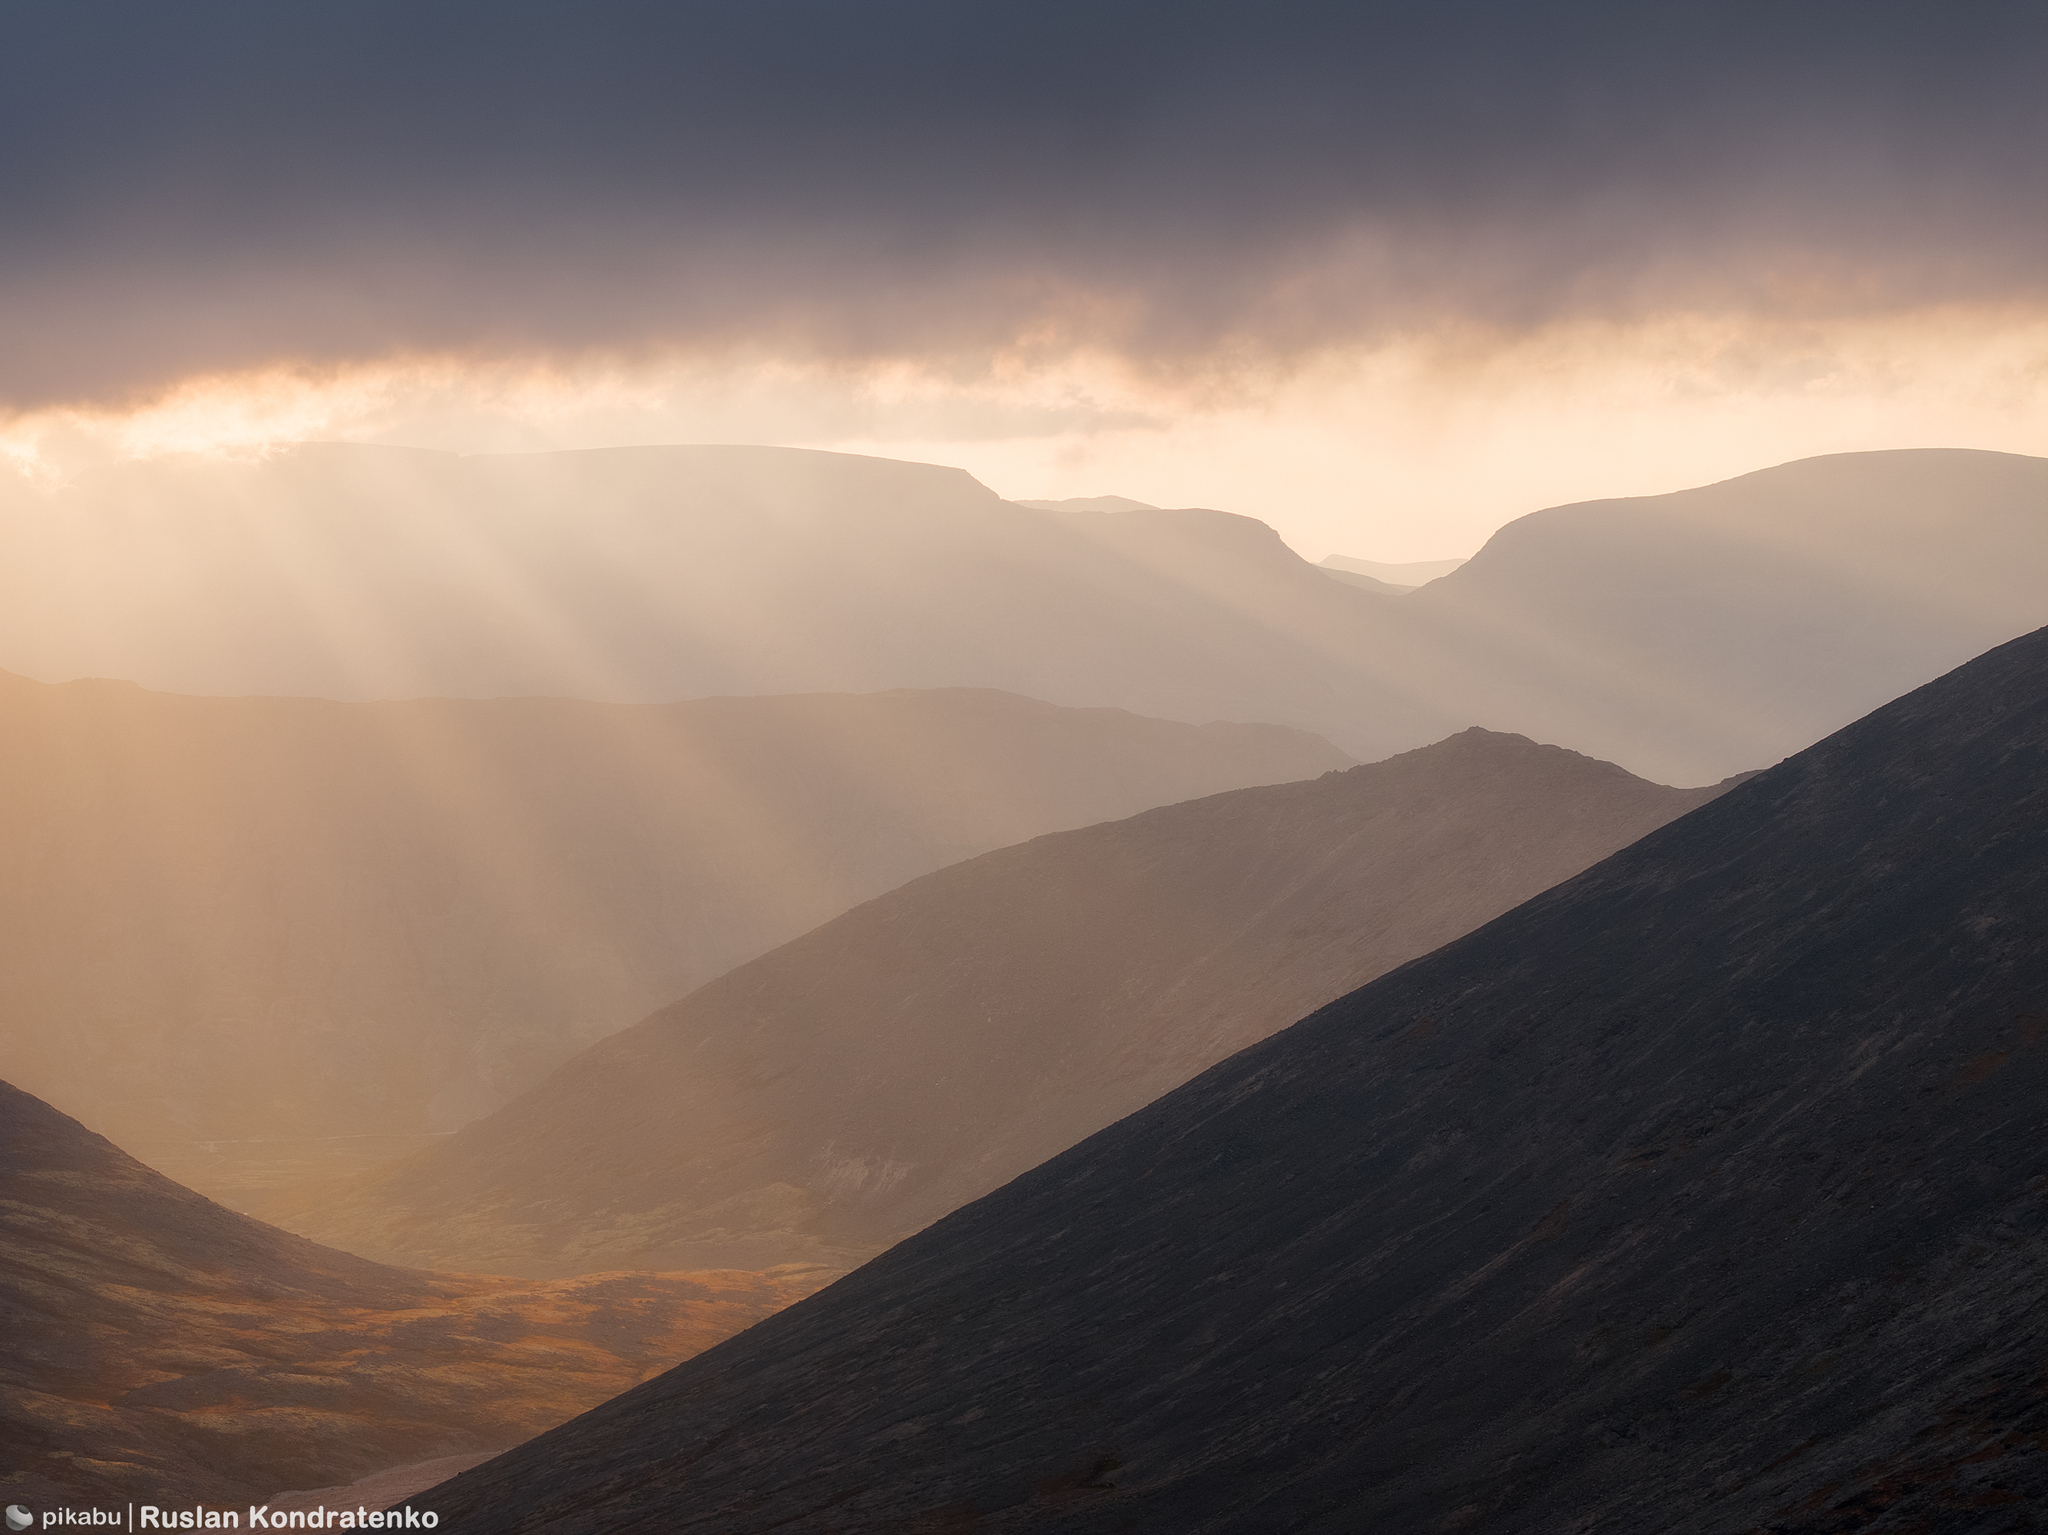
163 1349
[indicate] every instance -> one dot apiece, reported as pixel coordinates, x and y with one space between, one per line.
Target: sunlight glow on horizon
1415 449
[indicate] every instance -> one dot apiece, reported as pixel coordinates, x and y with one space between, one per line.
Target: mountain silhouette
1704 1192
163 1349
1685 636
857 1083
1365 583
1404 576
1090 504
255 938
1753 610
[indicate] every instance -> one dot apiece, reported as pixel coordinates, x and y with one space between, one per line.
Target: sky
1385 275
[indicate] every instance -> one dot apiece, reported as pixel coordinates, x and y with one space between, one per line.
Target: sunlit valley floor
1647 1146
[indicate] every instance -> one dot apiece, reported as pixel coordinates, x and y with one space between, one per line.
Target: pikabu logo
19 1518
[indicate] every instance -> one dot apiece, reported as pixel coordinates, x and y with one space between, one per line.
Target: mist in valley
1029 769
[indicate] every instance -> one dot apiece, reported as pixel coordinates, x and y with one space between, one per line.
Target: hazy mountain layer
1091 504
1686 636
163 1349
661 573
1704 1192
858 1083
252 937
1406 575
1366 583
1770 608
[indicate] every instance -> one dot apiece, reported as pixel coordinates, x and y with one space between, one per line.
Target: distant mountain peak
1090 504
1407 574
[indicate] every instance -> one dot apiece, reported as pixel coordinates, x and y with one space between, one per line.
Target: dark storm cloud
200 185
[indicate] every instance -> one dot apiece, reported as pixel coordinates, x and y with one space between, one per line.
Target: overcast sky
1072 240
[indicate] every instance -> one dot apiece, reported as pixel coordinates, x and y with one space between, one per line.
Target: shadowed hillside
251 938
1705 1192
163 1349
860 1082
1684 636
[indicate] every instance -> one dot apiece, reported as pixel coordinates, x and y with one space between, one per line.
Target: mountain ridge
1685 636
295 931
1703 1192
855 1084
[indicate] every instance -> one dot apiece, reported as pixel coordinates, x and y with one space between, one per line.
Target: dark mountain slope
245 935
161 1348
1707 1191
858 1083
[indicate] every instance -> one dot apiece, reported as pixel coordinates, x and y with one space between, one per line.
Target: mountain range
252 938
1698 1191
853 1085
1704 1192
1685 636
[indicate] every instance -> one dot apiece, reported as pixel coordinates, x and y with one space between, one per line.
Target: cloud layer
216 186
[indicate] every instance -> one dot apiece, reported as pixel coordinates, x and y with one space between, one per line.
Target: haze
1123 769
